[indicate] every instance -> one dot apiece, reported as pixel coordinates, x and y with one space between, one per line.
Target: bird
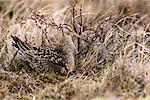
42 59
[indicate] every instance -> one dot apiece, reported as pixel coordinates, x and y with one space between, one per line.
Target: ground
106 42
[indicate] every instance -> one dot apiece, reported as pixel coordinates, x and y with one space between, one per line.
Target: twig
14 56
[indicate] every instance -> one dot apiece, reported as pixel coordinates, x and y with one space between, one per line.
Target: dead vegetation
108 48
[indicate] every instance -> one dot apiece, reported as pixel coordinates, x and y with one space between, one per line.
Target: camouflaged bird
41 59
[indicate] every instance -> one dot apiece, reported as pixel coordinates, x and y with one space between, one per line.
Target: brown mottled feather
44 59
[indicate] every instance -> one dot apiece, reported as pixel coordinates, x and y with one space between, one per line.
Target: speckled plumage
41 59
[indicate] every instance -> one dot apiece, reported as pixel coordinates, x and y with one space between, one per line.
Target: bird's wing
51 55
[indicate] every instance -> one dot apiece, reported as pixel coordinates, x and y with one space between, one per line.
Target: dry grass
107 44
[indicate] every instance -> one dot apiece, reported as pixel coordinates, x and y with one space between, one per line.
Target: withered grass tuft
106 42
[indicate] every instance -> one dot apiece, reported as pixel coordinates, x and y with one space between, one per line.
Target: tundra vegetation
107 43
